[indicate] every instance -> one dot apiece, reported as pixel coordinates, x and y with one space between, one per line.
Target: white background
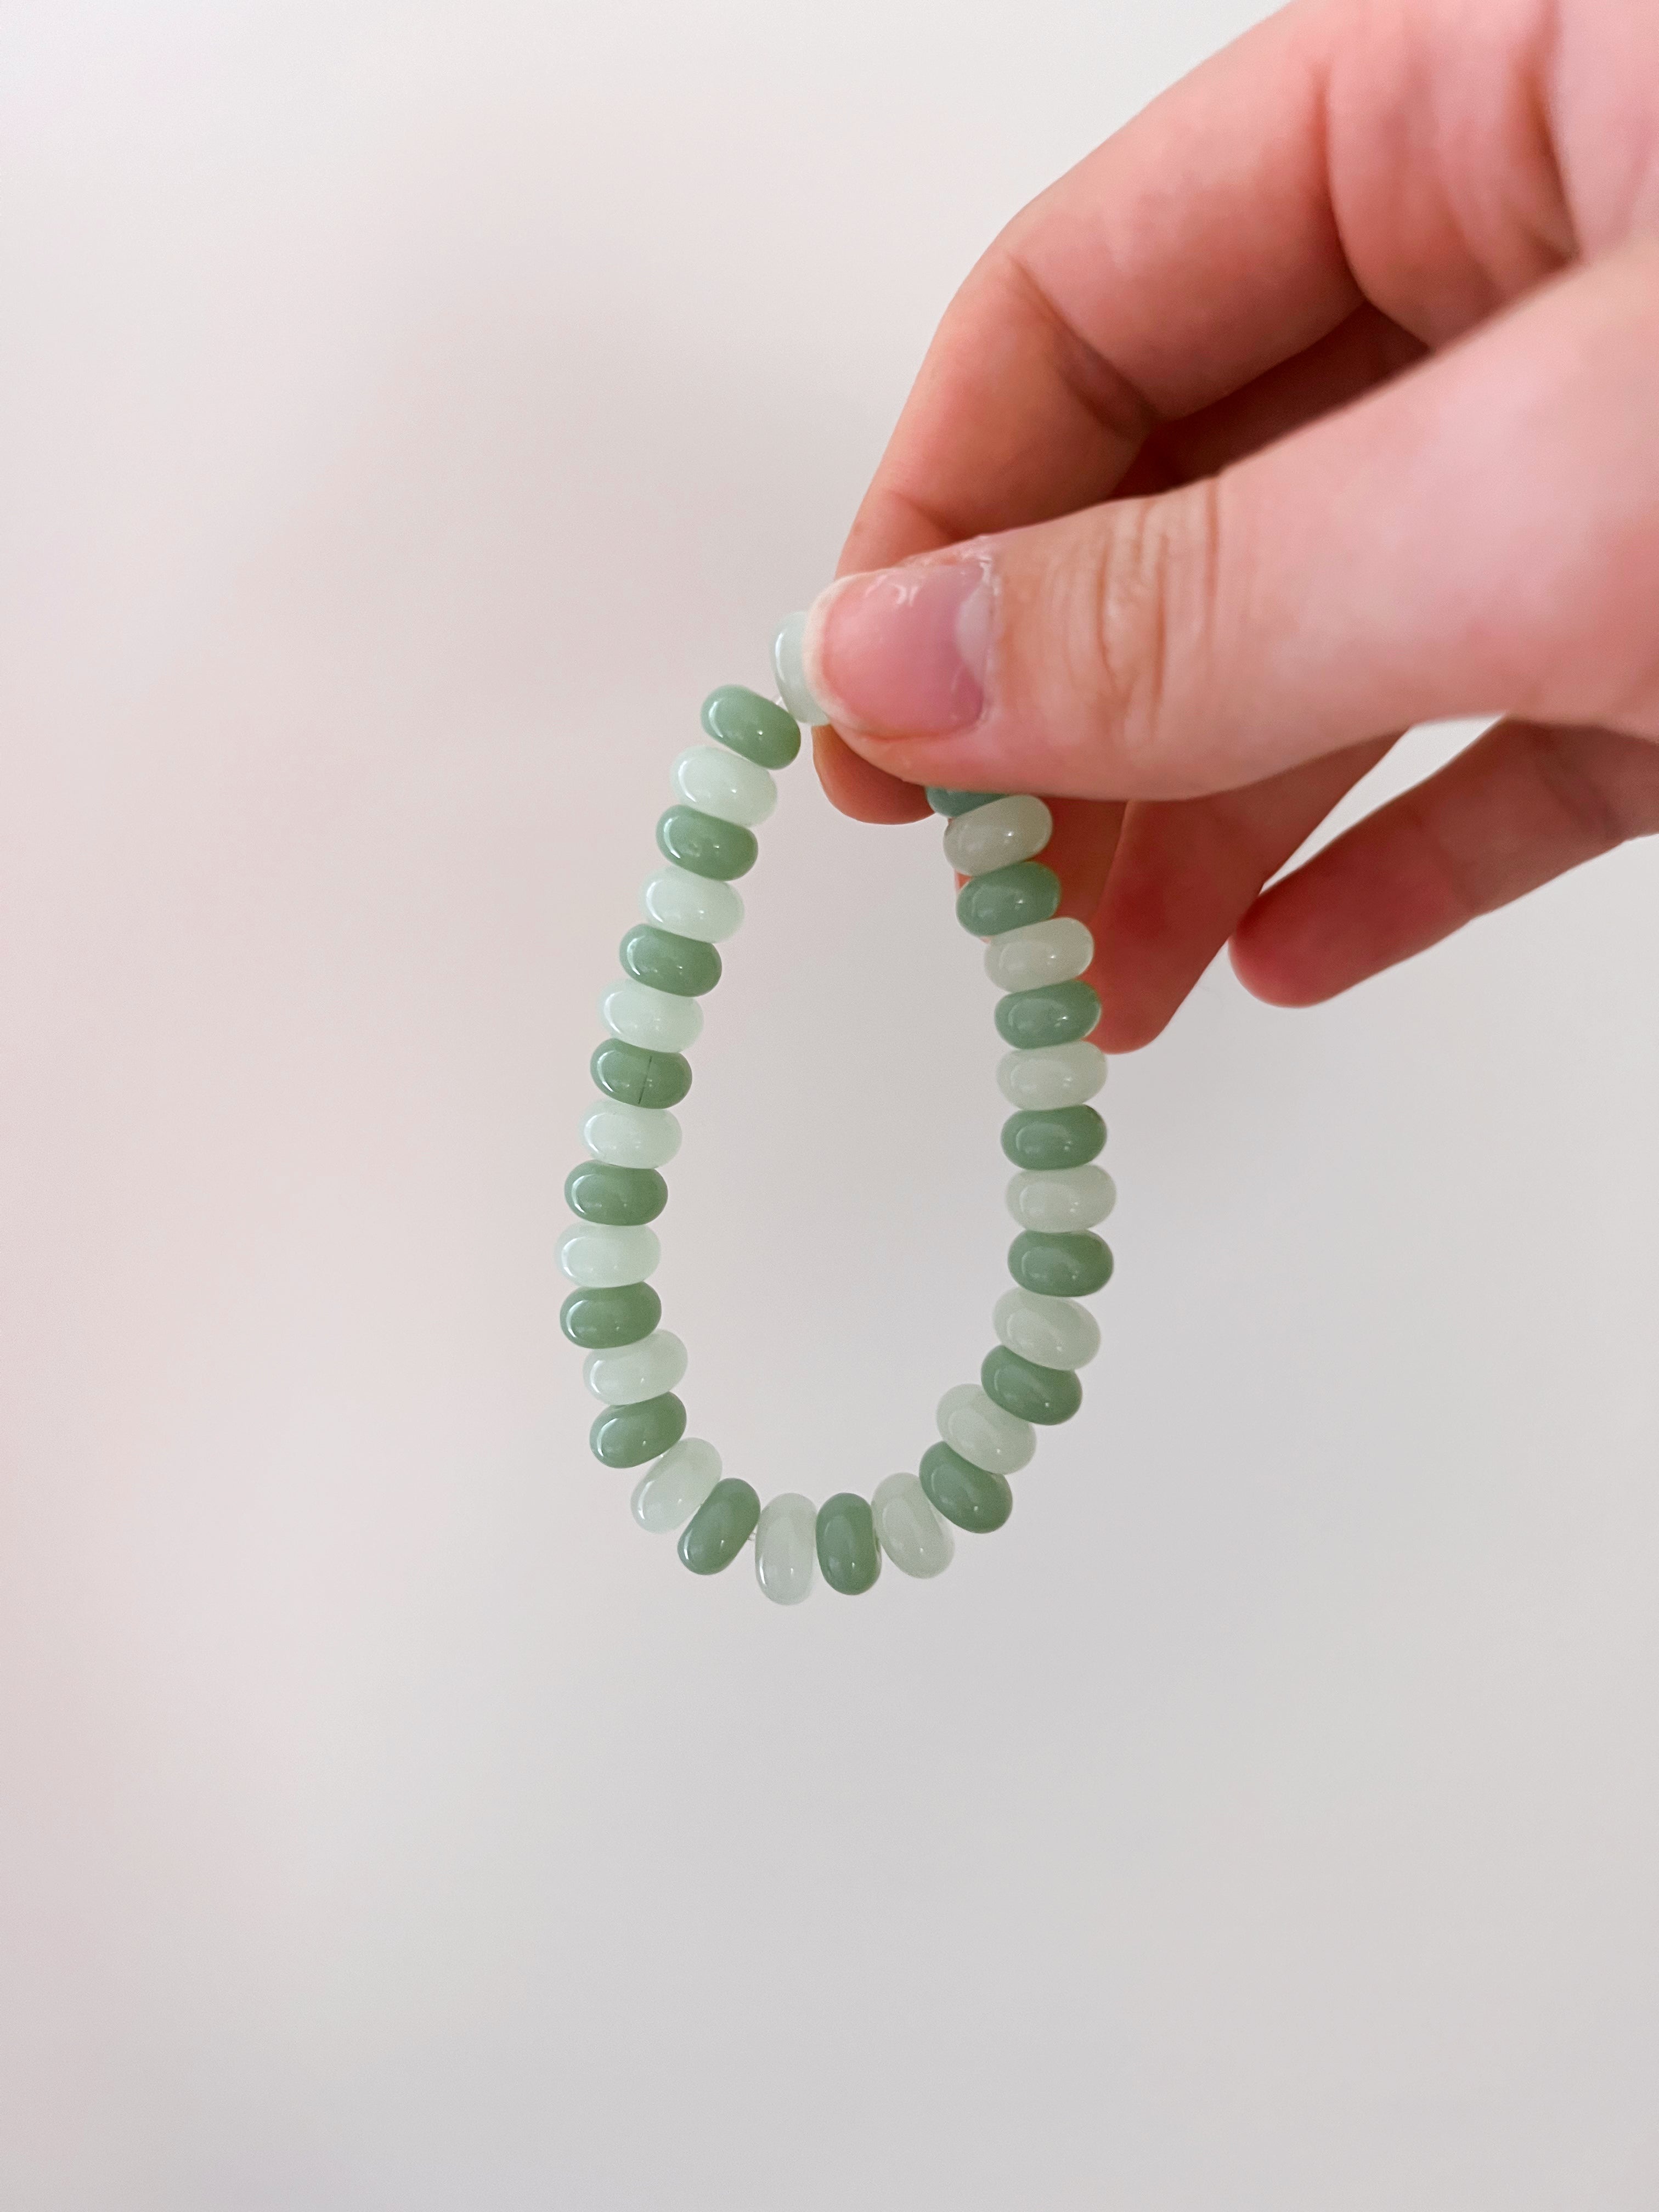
407 413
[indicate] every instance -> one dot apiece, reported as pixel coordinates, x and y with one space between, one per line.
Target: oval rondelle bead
618 1198
758 728
723 783
1050 1332
602 1259
684 967
1055 1201
631 1136
637 1078
692 906
1008 898
597 1320
908 1529
1053 1014
720 1527
1053 951
1069 1266
1060 1137
997 836
849 1556
973 1497
785 1547
669 1493
628 1436
706 845
984 1434
1058 1075
951 804
1044 1396
790 670
636 1372
650 1020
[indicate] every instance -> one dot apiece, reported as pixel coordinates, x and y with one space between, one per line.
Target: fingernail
900 652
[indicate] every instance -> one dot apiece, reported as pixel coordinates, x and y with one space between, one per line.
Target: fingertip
1271 964
857 788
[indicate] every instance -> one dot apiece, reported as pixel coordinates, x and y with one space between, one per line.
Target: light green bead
997 836
1064 1267
1008 898
619 1198
755 727
970 1497
1060 1075
1048 1332
849 1556
684 966
951 804
628 1436
720 1528
1055 1013
1030 1393
598 1320
706 845
1054 1136
1057 1199
637 1078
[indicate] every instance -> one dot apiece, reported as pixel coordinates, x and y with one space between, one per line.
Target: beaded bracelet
988 1429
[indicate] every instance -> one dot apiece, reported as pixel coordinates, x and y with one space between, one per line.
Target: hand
1321 400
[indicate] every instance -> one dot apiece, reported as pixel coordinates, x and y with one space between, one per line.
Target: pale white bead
1051 1332
634 1372
997 836
792 687
631 1136
785 1547
1039 952
977 1427
671 1488
1058 1199
718 781
1052 1075
657 1021
912 1535
692 906
601 1259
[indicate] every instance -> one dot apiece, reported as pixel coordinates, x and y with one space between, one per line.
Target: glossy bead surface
1057 1136
603 1259
636 1371
997 836
1055 1013
669 1493
682 966
1062 1075
1070 1199
630 1136
1050 1332
787 666
628 1436
980 1430
720 1527
600 1320
849 1557
748 724
704 845
907 1529
786 1548
618 1198
718 781
1043 1395
692 906
1008 898
1052 951
650 1020
1068 1267
951 804
973 1497
639 1078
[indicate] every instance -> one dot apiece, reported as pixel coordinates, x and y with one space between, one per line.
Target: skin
1320 400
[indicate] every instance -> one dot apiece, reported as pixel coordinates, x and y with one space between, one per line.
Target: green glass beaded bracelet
1059 1194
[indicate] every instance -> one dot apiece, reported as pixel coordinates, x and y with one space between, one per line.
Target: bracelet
1059 1194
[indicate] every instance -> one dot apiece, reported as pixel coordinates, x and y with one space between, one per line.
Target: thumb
1479 535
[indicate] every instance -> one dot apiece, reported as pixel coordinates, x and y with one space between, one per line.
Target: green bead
974 1498
848 1550
619 1198
1008 898
720 1528
755 727
952 803
1054 1136
598 1320
628 1436
1020 1387
705 844
685 966
1054 1013
1073 1265
639 1078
